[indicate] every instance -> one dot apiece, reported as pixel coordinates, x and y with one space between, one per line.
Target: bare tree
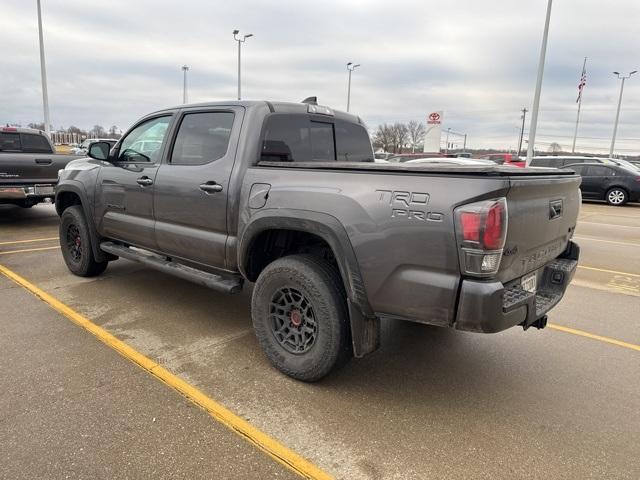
383 138
416 133
98 131
74 129
555 148
400 135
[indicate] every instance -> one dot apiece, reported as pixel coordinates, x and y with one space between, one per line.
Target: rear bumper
491 307
17 193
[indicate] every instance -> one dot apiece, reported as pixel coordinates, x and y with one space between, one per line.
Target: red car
505 159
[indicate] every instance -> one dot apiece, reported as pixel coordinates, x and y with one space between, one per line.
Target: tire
617 196
300 317
75 243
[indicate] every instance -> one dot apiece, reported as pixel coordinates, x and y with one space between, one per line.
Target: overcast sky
112 62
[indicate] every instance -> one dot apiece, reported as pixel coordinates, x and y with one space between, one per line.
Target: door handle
44 161
144 181
211 187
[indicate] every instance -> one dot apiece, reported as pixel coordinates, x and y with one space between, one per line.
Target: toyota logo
434 117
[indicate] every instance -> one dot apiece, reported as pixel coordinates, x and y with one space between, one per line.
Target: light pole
536 97
615 125
43 72
446 146
351 67
240 41
524 115
185 69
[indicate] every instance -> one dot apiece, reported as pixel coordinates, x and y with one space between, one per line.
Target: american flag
583 81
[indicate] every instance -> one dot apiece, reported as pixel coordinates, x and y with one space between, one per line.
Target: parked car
626 163
28 166
504 159
560 161
84 146
287 196
613 183
383 155
449 161
405 157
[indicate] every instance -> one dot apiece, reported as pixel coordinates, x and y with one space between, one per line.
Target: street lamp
351 67
185 69
536 96
240 41
615 125
43 73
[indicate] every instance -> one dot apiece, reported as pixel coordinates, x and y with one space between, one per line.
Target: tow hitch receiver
539 324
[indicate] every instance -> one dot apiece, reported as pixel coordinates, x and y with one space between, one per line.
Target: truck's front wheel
300 316
75 243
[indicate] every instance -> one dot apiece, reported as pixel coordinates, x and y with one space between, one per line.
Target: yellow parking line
29 250
608 271
261 440
29 241
592 336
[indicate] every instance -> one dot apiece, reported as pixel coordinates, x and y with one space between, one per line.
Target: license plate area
44 190
529 282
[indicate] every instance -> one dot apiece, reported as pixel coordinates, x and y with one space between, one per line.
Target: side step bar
211 280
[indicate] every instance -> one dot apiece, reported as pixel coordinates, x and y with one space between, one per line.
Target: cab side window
202 138
143 144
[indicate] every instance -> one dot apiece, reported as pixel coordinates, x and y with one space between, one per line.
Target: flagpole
575 133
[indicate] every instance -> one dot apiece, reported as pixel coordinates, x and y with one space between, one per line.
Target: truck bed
436 169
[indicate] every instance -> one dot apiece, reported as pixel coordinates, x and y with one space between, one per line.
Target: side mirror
99 150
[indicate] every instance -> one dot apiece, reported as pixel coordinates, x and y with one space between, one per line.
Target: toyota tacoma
287 196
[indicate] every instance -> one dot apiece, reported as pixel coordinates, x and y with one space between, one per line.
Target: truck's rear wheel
75 243
300 317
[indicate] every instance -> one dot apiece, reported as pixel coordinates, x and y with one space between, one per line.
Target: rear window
10 141
573 161
579 169
33 143
299 138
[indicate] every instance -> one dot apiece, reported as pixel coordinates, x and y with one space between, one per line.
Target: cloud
475 60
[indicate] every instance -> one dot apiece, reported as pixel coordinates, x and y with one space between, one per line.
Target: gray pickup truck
287 196
28 166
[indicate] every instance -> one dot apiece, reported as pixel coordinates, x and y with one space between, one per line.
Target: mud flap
365 332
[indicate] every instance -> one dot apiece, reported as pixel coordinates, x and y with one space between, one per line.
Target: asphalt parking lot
563 402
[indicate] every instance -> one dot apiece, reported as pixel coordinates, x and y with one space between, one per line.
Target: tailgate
29 168
543 212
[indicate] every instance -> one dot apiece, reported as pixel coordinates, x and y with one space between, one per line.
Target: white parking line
630 244
608 224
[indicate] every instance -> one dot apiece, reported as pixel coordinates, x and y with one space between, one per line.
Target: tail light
481 230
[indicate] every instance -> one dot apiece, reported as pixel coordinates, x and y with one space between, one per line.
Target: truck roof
21 130
273 106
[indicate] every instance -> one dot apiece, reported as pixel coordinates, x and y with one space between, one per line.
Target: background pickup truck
287 195
28 166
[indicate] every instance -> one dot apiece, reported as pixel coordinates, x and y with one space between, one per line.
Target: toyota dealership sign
433 133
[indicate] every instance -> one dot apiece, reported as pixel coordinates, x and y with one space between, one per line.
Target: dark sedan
615 184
